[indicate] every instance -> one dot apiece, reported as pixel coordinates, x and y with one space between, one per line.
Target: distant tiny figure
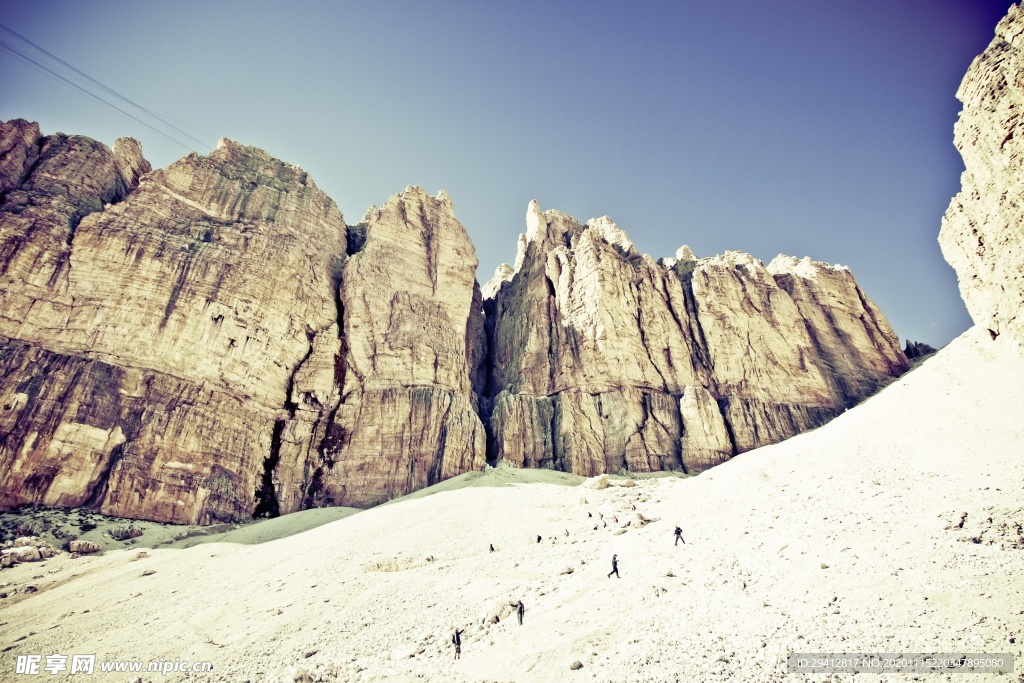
457 640
567 533
633 506
538 539
595 527
492 547
519 612
679 536
589 514
616 519
615 567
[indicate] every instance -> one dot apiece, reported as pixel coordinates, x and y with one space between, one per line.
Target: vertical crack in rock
266 496
700 354
643 337
102 483
183 270
428 233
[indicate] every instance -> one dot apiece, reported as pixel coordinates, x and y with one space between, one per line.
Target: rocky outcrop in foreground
982 233
210 341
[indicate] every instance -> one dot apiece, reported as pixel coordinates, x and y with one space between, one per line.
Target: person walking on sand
615 567
679 536
519 612
457 641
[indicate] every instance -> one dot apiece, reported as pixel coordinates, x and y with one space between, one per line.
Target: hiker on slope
457 641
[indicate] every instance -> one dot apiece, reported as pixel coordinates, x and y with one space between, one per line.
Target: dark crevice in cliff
179 283
434 474
432 251
289 401
552 331
557 456
485 397
699 351
355 238
643 339
130 426
334 437
723 408
266 495
102 483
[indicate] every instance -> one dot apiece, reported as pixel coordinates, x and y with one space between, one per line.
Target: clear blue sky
818 128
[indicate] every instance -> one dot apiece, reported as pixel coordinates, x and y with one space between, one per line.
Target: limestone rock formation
152 332
982 233
407 415
606 360
210 341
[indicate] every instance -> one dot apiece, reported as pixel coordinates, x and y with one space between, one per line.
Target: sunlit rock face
413 325
155 323
605 360
982 233
210 341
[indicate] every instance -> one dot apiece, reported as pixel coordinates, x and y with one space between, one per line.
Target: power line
101 85
92 95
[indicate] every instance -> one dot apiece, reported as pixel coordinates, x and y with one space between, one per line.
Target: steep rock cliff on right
983 227
606 360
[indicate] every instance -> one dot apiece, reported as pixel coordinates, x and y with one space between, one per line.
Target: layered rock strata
153 331
174 344
210 341
982 234
412 321
605 360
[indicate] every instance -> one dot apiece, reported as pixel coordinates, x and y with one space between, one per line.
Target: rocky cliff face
407 417
607 360
154 326
982 230
210 341
189 344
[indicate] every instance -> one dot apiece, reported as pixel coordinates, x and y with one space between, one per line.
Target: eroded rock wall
190 295
407 416
210 341
606 360
982 234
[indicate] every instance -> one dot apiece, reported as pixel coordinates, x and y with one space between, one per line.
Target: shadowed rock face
982 235
606 360
210 341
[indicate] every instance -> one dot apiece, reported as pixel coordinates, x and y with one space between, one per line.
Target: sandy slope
841 539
